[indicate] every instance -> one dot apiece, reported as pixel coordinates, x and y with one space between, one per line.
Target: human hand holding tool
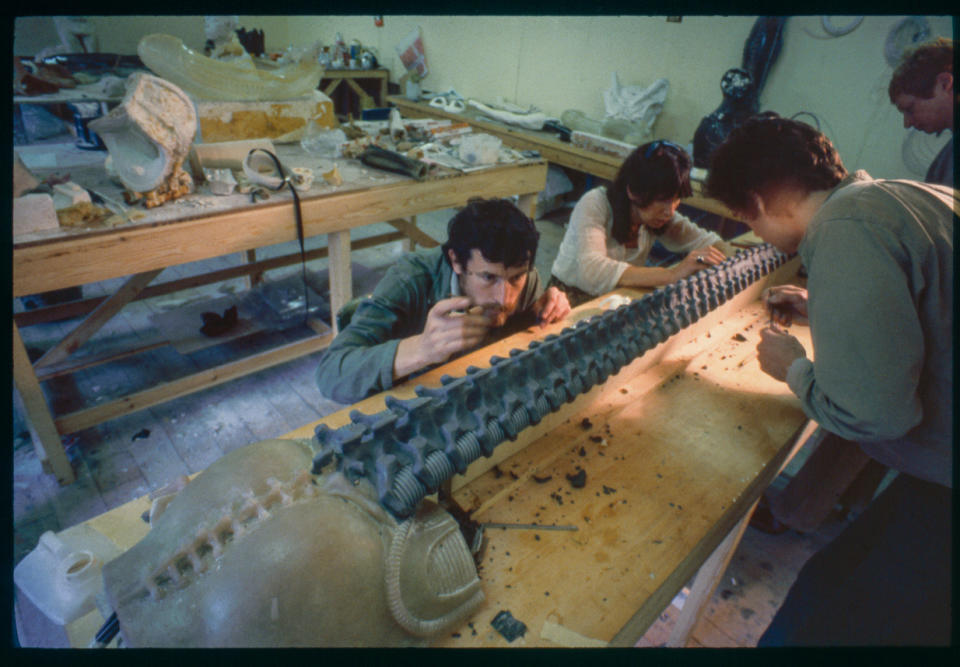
453 325
787 304
777 350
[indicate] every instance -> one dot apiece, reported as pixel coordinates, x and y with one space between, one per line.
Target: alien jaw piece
149 135
257 552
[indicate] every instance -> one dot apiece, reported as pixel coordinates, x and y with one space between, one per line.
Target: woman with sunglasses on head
612 228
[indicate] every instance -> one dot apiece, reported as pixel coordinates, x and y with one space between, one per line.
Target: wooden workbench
549 146
677 448
199 227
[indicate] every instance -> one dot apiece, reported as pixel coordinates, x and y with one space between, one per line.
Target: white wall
559 63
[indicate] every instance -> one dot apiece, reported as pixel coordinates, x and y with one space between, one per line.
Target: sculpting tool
116 206
529 526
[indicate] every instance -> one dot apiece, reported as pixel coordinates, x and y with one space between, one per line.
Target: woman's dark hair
768 153
495 227
654 171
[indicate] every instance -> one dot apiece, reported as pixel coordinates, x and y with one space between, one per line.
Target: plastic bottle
63 574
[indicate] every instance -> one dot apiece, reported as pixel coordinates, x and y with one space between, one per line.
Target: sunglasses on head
661 143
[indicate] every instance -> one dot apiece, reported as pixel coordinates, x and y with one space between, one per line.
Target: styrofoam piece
34 213
62 575
68 194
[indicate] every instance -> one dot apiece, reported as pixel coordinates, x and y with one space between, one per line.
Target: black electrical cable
107 632
285 180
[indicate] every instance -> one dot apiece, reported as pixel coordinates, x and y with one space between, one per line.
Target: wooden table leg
710 573
528 204
413 233
708 576
45 436
253 279
341 278
366 102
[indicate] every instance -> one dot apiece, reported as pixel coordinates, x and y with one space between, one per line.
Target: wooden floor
130 456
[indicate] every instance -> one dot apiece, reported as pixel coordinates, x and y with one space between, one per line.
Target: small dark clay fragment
579 480
508 626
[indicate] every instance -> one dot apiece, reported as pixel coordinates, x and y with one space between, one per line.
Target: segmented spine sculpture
408 450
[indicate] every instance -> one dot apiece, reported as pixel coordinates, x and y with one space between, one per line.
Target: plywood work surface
671 457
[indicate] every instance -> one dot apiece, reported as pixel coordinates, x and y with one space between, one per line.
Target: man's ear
944 81
758 205
452 256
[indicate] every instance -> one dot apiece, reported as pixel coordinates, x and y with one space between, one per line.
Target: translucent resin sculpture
237 80
258 552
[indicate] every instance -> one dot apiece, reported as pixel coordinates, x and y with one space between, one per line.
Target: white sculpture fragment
530 121
148 136
636 104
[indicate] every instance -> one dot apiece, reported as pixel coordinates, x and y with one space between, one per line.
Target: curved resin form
257 552
238 80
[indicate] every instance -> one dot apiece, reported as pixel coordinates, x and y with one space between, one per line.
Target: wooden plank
96 360
76 308
366 102
43 430
660 495
106 310
341 279
410 230
81 419
328 91
65 262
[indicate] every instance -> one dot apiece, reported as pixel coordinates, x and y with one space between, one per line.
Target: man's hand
551 306
453 326
698 259
786 303
450 328
776 351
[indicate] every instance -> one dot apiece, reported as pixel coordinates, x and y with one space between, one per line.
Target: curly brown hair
768 153
917 72
497 228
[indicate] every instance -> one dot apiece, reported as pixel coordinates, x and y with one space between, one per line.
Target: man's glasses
661 143
488 279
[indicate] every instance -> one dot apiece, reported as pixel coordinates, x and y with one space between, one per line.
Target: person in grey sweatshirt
879 303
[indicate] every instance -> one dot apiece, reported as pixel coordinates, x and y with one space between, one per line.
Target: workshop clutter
340 56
